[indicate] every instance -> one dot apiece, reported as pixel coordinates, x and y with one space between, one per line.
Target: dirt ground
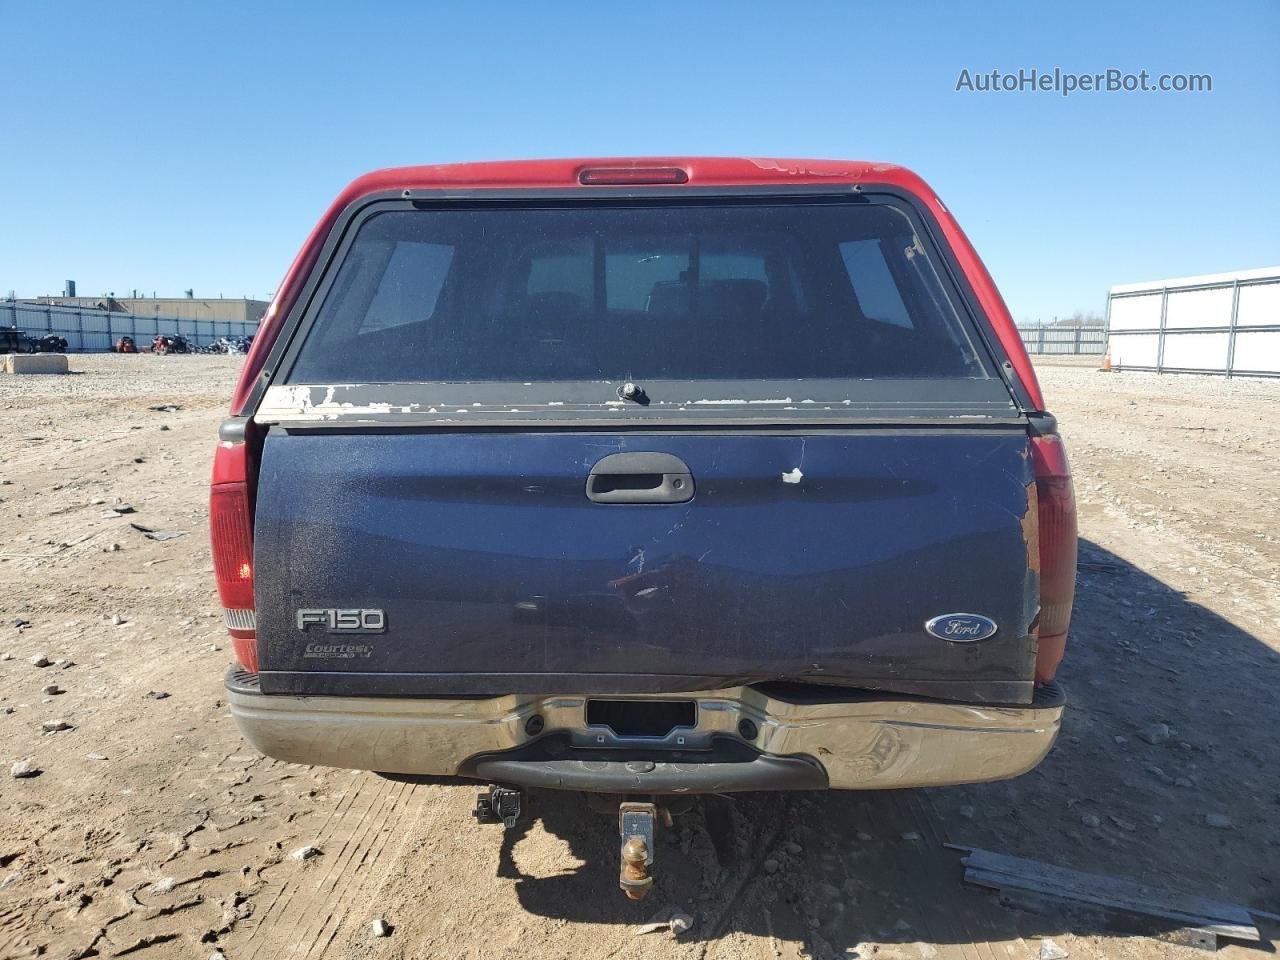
152 828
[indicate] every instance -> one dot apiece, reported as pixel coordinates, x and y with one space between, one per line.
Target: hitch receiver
635 824
499 804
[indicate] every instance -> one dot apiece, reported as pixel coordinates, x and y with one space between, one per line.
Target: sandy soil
152 828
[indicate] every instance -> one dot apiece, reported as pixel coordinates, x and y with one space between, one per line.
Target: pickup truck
644 477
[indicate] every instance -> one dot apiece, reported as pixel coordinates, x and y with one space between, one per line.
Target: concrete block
35 363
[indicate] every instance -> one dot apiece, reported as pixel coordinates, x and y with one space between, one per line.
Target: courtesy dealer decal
338 651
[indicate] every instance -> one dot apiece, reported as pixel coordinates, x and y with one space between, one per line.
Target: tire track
280 903
365 854
369 832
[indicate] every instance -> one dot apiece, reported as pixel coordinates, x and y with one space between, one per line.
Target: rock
53 726
20 623
305 853
680 922
157 694
911 835
828 891
153 534
40 660
164 885
672 919
117 620
771 866
792 847
1051 951
864 837
380 928
1219 821
1159 774
95 756
966 811
217 955
1123 824
51 690
24 768
1154 733
1183 782
64 663
1091 821
6 655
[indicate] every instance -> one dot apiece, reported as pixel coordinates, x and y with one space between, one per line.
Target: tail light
1057 534
231 539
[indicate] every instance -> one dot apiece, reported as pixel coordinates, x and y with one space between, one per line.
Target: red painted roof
701 171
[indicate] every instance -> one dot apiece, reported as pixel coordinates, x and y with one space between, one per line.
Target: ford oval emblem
962 627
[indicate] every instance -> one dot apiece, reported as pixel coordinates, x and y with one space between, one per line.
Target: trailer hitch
635 824
499 804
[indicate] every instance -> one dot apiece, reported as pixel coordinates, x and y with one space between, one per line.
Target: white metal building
1226 323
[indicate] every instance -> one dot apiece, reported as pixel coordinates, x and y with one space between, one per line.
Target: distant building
192 308
186 308
1227 323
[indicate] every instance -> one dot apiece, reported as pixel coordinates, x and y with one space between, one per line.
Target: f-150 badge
962 627
344 621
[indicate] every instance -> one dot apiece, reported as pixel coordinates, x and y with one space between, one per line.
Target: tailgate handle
640 478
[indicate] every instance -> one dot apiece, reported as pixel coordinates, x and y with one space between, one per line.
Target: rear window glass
772 291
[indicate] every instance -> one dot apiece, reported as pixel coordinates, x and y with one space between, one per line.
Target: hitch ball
635 880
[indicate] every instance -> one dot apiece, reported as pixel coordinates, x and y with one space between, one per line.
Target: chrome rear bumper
863 743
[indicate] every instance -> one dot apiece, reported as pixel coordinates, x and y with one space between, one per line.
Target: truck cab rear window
699 292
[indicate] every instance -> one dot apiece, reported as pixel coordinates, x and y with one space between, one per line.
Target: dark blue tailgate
496 574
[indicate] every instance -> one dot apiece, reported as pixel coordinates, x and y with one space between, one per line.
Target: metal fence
1224 325
1065 340
88 331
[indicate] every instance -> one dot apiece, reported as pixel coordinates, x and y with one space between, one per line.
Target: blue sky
165 146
